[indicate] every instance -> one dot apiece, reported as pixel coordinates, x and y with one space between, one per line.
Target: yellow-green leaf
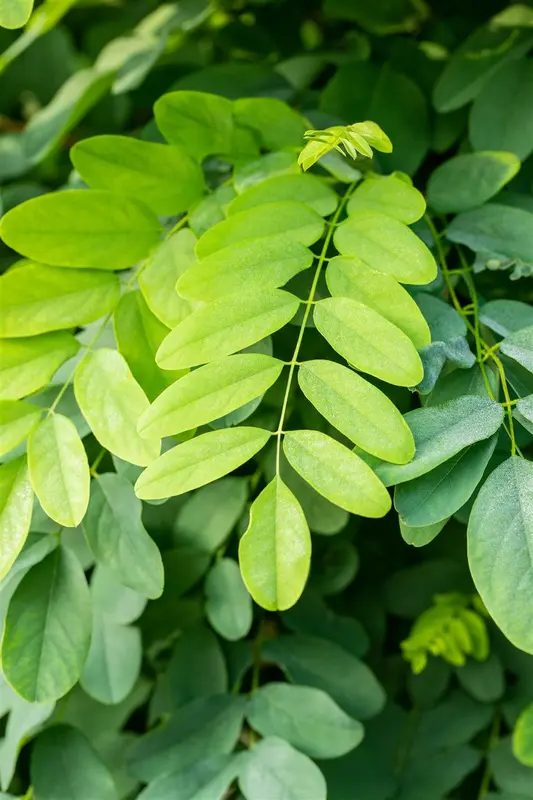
199 461
112 402
15 13
275 551
357 409
158 279
390 195
368 341
16 503
26 365
387 245
336 473
350 277
59 470
226 326
307 189
17 420
210 392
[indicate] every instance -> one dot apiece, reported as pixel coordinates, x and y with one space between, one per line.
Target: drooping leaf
275 769
284 222
64 764
256 265
207 725
337 473
523 737
305 717
114 661
228 605
420 535
502 113
165 178
17 420
389 195
117 537
442 431
37 299
368 341
81 229
438 494
16 504
26 365
112 403
387 245
310 661
48 629
199 461
210 392
501 232
201 123
158 279
15 13
226 326
469 180
275 551
345 400
500 529
304 188
349 277
59 470
519 347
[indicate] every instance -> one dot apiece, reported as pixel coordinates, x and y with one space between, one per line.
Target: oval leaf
228 605
307 189
158 279
17 420
77 228
368 341
112 402
469 180
16 504
199 461
275 551
390 195
225 326
274 769
26 365
523 737
500 536
210 392
114 661
337 473
48 629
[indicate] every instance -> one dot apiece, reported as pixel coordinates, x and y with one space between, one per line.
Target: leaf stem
331 226
493 740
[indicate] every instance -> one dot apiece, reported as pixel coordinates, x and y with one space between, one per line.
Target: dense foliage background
388 679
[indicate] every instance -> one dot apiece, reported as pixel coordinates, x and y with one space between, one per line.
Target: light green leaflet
438 494
271 165
274 769
442 431
118 539
368 341
307 718
48 629
390 195
77 228
421 535
523 737
201 123
112 402
210 392
166 178
349 277
337 473
139 333
158 279
15 13
387 245
275 551
59 470
306 189
519 346
205 778
277 125
114 661
17 420
261 264
199 461
357 409
500 532
16 503
228 605
286 222
26 365
469 180
81 766
225 326
37 299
